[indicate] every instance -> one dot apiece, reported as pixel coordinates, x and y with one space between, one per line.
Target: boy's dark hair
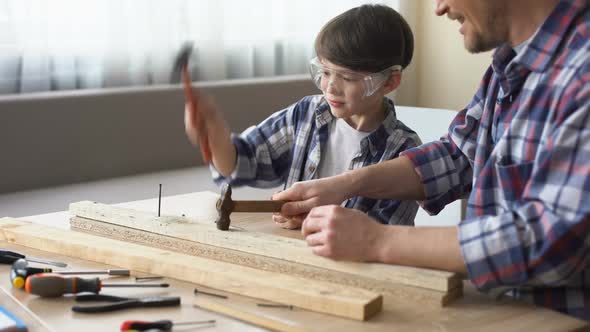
366 38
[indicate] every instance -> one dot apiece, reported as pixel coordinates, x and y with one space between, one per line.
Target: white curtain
75 44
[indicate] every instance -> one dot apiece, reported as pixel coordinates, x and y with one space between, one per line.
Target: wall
443 73
49 139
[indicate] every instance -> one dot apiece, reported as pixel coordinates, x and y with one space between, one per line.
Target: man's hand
303 196
343 234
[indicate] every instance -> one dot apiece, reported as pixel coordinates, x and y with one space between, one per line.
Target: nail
142 279
272 305
210 294
159 199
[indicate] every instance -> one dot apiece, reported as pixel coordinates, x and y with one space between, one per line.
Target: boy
360 55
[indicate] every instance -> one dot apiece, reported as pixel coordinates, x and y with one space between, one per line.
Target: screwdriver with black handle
55 285
21 270
9 257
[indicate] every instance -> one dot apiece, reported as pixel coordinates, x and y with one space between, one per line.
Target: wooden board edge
248 317
428 279
426 296
75 244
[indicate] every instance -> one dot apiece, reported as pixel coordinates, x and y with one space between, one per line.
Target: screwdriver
9 257
55 285
162 325
20 271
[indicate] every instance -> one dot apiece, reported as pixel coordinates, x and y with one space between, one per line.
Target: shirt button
311 168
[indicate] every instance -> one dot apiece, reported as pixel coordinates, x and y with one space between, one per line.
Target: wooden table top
475 311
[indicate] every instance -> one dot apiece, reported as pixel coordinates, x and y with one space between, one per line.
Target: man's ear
392 82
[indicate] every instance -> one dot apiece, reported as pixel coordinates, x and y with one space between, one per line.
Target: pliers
118 303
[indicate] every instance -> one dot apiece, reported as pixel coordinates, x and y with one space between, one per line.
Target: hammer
181 69
225 206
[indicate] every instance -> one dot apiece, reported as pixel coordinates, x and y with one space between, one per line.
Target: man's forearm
428 247
393 179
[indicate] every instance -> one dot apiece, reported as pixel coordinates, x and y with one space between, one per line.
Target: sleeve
445 166
396 212
264 151
542 239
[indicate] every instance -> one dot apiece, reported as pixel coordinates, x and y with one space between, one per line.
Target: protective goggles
370 83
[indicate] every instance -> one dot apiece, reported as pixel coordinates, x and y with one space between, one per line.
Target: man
519 151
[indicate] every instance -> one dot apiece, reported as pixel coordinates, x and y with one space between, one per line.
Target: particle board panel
203 231
409 293
324 297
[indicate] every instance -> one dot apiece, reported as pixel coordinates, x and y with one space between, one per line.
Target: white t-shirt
342 146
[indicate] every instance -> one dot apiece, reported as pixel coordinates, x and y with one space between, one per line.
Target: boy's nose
331 86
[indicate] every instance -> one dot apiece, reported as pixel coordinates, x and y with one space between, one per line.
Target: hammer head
225 206
181 61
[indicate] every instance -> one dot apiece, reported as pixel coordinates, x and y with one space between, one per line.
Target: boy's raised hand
287 223
204 124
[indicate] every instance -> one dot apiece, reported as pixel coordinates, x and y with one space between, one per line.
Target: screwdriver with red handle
55 285
162 325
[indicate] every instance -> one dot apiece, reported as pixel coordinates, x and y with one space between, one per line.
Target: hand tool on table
162 325
180 69
9 257
225 206
119 303
21 270
55 285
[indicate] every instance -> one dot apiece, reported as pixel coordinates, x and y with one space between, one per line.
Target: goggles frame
371 82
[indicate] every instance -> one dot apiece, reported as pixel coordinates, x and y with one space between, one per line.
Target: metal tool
160 325
21 270
225 206
9 257
55 285
221 296
148 278
275 305
181 69
119 303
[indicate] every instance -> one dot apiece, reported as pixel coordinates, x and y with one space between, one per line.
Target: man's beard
494 34
482 43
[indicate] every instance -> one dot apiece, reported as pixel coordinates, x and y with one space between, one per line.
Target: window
68 44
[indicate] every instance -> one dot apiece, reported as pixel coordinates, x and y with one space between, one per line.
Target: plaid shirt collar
546 41
512 69
377 140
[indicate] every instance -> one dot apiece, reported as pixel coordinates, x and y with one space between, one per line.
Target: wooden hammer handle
258 206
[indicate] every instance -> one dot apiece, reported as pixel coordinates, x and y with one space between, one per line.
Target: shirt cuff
427 164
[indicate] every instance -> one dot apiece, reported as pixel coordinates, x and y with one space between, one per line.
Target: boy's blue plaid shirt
286 148
523 143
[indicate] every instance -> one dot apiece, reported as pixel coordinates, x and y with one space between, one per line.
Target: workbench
475 311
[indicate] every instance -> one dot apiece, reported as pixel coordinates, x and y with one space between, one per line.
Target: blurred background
67 44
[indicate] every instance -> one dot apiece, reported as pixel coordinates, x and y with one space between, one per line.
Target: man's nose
440 7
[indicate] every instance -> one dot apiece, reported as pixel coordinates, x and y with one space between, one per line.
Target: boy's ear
393 82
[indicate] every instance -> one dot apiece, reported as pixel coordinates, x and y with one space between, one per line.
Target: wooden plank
292 250
474 312
349 302
258 319
409 293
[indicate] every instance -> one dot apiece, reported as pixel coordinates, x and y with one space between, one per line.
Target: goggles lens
322 75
